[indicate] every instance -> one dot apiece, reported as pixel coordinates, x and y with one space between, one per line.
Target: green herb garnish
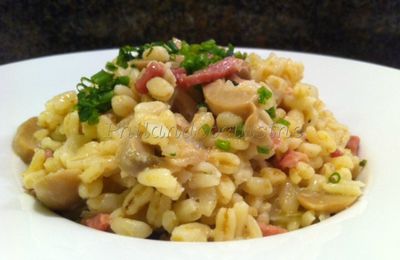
172 154
239 130
240 55
102 78
171 47
363 163
263 95
282 121
271 112
196 56
199 56
93 101
110 66
206 129
126 54
263 150
150 50
334 178
123 80
223 145
95 94
200 105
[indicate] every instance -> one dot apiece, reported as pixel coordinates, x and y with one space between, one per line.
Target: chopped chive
171 47
229 51
199 56
334 177
123 80
200 105
150 51
283 122
85 83
102 78
104 98
95 93
263 95
239 130
206 129
271 112
223 145
262 150
240 55
110 66
125 55
363 163
172 154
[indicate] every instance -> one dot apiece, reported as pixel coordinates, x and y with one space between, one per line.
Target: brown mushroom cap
185 102
133 155
24 143
257 128
319 201
59 190
223 96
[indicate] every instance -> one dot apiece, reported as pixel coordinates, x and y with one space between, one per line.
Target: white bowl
364 96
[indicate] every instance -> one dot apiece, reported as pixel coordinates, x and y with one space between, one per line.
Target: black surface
365 30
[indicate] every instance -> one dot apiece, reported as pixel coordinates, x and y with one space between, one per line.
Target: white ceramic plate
364 96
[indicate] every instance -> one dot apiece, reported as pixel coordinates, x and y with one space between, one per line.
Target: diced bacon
153 69
336 153
221 69
291 158
276 140
180 74
354 144
269 230
100 222
48 153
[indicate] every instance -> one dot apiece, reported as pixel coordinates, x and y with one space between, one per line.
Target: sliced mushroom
133 156
59 190
257 128
185 102
24 143
189 152
319 201
245 71
243 75
223 96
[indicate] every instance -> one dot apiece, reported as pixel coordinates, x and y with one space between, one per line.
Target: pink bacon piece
221 69
269 230
153 69
291 158
353 144
48 153
336 153
180 74
100 222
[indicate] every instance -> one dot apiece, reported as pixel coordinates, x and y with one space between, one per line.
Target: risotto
191 142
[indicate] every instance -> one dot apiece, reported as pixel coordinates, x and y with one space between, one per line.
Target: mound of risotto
191 142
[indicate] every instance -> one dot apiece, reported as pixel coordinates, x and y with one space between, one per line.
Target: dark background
364 30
